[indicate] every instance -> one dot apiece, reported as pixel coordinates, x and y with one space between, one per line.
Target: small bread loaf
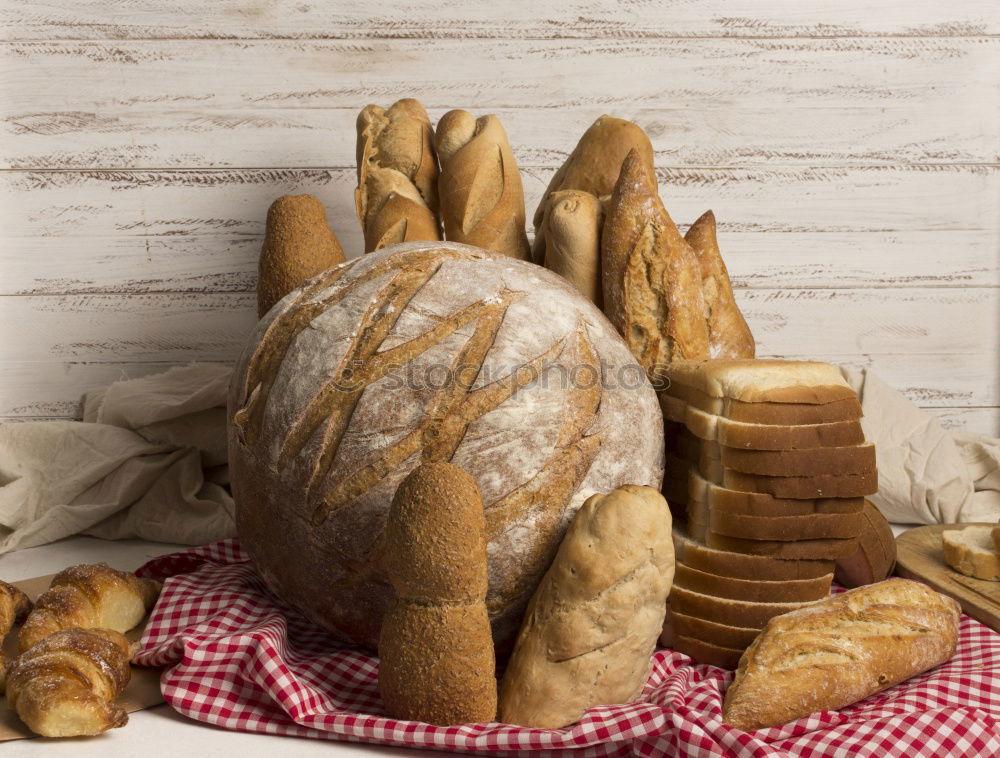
593 622
592 167
837 651
89 596
572 228
482 201
65 686
298 245
728 333
970 551
876 554
436 647
14 606
650 276
396 198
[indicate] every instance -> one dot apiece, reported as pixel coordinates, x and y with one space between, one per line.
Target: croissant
14 606
89 596
65 686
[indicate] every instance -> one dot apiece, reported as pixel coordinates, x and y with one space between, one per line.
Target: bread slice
752 590
830 549
971 551
739 434
676 408
743 566
801 487
726 611
736 637
756 504
816 526
876 554
706 652
853 459
756 380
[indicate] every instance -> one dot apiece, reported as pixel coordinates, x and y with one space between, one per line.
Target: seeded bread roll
876 554
593 622
572 227
728 333
482 201
396 197
592 167
837 651
298 245
436 648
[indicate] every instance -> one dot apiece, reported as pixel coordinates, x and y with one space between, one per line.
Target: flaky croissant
89 596
65 686
14 606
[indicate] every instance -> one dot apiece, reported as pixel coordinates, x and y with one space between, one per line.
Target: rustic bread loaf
298 244
743 566
418 353
436 647
593 622
876 554
837 651
970 551
396 197
572 228
728 333
482 201
592 167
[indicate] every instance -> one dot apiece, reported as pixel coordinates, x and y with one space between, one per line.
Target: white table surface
158 731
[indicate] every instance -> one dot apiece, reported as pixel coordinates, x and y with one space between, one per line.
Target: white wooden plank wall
850 150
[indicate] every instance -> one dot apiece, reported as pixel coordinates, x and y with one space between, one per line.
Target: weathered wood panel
132 19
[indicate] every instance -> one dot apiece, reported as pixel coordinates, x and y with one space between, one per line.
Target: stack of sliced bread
767 470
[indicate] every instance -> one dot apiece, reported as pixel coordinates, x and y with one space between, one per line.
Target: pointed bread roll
572 226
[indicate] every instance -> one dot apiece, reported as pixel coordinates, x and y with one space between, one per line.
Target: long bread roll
728 333
837 651
592 167
396 198
651 277
572 225
593 622
482 200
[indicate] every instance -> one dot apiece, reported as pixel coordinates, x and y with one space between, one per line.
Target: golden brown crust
65 686
740 565
753 590
728 333
592 167
436 646
741 613
803 487
14 606
837 651
850 459
298 245
723 500
707 652
724 635
875 557
89 596
396 197
572 228
650 276
826 549
482 200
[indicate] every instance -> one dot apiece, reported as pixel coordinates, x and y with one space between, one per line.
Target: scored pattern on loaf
451 410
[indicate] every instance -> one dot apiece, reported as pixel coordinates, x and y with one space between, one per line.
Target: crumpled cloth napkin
926 474
148 461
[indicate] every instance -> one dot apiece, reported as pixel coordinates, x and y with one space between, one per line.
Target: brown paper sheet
143 690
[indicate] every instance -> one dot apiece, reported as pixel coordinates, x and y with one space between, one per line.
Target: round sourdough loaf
428 352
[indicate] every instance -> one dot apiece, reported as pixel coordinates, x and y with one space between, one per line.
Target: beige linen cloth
149 461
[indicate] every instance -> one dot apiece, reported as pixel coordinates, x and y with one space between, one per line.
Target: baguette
837 651
593 622
572 230
650 276
743 566
752 590
436 646
875 557
593 167
482 201
396 197
726 611
65 686
14 606
970 551
89 596
298 245
728 333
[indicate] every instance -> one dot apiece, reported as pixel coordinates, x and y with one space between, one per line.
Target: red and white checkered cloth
239 659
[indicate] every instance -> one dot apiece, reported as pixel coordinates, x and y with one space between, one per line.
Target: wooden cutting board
919 556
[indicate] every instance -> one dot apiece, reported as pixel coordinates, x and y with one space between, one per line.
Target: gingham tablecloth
236 657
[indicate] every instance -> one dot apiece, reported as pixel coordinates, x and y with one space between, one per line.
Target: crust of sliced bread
757 504
802 487
726 611
876 554
752 590
743 566
759 380
737 637
851 459
815 526
739 434
706 652
830 549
